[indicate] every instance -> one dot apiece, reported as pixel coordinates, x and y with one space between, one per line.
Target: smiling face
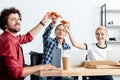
13 23
60 32
101 34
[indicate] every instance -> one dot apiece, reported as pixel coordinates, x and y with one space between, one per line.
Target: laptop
56 60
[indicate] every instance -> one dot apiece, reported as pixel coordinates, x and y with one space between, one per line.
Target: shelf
113 10
113 26
113 41
111 18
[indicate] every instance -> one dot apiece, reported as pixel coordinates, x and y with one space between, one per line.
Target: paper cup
66 62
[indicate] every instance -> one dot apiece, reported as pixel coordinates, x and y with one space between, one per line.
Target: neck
101 44
60 41
14 34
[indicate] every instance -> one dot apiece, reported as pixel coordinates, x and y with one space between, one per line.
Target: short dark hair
5 14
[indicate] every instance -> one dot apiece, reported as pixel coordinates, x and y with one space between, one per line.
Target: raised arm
74 43
49 29
34 31
53 16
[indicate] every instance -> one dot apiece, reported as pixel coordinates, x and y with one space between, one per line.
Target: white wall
84 16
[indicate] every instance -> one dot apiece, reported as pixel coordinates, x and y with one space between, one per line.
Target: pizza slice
54 13
65 22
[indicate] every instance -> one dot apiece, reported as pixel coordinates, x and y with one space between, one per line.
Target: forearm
30 70
47 32
40 25
36 30
74 43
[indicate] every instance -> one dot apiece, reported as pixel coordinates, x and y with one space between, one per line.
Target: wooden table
78 71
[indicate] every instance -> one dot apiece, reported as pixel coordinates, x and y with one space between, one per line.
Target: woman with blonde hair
96 51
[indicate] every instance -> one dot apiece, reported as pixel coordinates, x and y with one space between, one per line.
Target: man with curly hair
12 66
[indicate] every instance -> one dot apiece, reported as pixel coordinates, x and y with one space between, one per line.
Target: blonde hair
102 28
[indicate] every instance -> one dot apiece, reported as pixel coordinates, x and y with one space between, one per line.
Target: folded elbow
17 73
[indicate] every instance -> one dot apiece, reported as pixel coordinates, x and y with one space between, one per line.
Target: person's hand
51 15
66 25
46 18
47 67
54 17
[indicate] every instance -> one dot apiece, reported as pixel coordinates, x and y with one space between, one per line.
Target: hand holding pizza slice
66 25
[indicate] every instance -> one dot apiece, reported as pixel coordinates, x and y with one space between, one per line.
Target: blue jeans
42 78
56 78
100 78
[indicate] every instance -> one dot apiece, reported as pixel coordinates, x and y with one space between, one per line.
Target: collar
10 36
62 42
101 47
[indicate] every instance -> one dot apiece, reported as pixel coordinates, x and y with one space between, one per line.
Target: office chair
36 59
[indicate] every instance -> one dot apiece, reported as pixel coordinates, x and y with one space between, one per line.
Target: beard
14 29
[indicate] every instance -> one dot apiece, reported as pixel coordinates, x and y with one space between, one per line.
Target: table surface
78 71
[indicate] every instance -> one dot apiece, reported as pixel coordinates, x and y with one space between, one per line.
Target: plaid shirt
49 44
